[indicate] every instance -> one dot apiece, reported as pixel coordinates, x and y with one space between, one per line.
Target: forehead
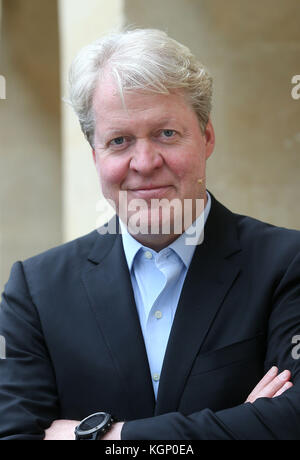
137 106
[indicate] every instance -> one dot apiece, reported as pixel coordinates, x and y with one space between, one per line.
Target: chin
151 222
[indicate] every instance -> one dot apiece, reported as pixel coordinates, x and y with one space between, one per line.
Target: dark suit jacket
75 347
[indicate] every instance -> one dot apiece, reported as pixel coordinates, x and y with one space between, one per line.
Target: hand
271 385
61 430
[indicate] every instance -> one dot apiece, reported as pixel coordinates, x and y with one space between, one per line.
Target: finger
269 390
277 383
285 387
269 376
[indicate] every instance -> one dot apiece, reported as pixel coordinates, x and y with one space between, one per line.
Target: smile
150 192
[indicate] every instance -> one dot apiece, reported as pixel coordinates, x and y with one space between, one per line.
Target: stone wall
48 186
252 49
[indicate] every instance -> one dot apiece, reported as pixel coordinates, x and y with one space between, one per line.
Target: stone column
30 154
81 23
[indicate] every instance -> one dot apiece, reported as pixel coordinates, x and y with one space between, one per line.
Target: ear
209 138
94 155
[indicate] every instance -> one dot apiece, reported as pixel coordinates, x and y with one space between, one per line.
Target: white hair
140 59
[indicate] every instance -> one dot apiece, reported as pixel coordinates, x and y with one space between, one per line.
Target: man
167 336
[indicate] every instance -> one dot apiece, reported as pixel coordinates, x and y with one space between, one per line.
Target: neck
155 242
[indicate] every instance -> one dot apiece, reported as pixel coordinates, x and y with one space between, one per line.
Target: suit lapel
210 276
109 289
106 278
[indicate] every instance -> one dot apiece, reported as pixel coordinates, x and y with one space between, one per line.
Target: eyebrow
160 122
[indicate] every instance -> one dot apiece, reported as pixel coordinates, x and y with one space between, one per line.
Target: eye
168 132
118 141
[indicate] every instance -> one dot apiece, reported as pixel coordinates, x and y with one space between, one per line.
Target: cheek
187 166
111 172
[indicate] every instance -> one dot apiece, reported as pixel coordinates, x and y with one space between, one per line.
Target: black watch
94 427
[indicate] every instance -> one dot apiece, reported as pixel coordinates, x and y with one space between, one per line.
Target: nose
146 158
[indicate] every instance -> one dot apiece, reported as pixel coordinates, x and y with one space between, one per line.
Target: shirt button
158 314
148 255
156 377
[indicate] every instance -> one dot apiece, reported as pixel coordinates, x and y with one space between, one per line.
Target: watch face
93 423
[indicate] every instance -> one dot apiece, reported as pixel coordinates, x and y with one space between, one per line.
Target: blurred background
49 192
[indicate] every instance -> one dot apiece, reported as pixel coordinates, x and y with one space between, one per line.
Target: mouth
150 191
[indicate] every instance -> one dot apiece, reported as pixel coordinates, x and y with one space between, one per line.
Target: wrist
114 434
94 427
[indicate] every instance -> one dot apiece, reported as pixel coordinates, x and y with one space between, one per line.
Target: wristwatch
93 427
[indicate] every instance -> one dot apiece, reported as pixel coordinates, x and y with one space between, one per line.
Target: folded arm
270 386
266 418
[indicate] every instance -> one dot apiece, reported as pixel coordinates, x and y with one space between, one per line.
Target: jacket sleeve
267 418
28 399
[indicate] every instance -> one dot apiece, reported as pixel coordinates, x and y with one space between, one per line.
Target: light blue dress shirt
157 279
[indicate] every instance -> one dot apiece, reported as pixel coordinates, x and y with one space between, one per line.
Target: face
151 148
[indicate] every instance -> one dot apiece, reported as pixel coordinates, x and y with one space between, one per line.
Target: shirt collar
183 250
